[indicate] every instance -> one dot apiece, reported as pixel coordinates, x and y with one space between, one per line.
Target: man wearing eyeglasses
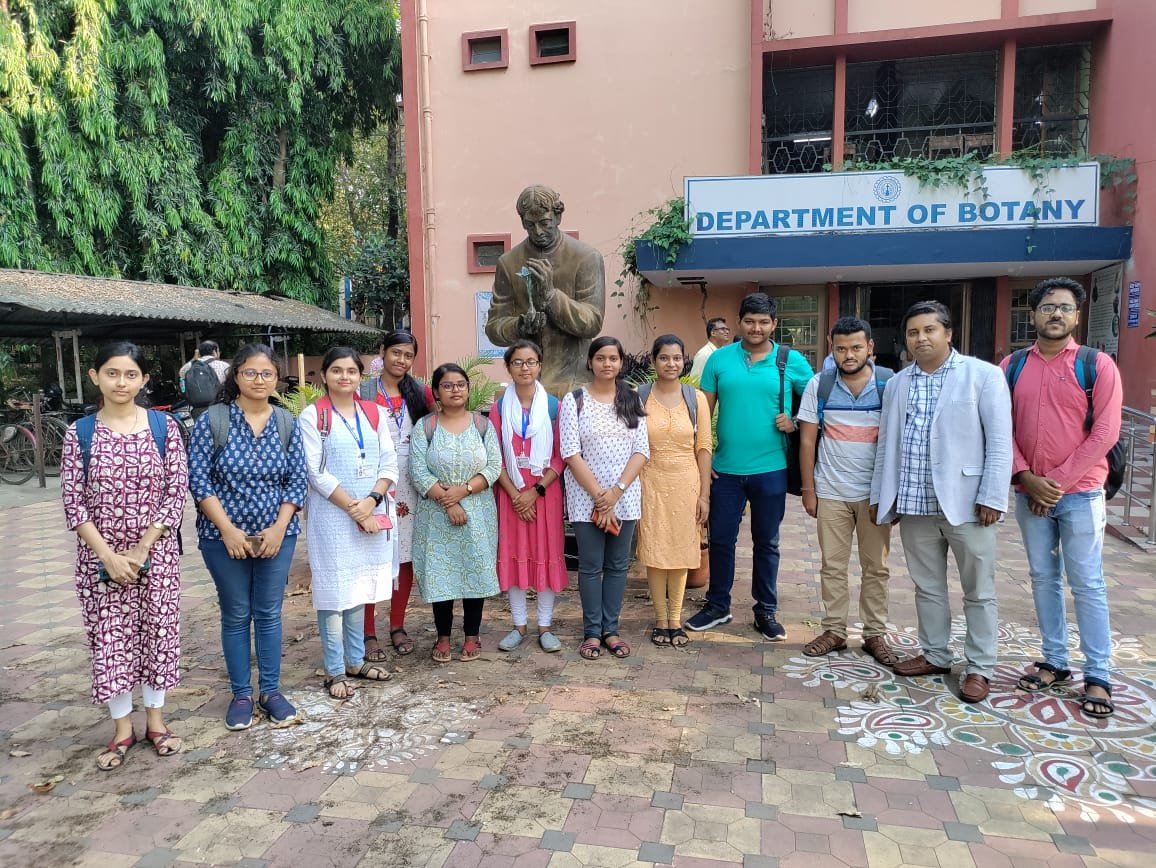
1059 466
718 334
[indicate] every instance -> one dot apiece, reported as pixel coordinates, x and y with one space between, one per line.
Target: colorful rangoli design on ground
1040 744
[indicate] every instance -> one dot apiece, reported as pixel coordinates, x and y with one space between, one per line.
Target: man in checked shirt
942 470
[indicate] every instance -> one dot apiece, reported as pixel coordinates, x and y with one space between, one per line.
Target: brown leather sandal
877 647
824 644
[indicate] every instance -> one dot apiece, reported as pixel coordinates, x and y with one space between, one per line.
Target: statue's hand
542 285
532 323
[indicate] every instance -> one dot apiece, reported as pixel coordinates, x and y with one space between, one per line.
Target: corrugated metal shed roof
34 304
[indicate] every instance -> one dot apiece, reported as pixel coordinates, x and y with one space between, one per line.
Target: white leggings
518 606
121 705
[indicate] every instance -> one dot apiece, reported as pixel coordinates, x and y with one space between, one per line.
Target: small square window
484 251
485 49
553 43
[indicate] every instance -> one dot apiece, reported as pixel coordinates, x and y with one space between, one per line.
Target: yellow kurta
668 535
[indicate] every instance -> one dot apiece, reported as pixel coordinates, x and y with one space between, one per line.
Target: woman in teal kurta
455 460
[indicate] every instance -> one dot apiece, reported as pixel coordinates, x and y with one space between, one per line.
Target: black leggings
443 612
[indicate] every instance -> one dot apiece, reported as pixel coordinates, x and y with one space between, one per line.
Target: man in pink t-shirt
1059 467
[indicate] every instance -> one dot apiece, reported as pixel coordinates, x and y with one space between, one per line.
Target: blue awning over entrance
909 255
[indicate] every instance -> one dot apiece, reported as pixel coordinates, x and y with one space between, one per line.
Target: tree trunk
282 158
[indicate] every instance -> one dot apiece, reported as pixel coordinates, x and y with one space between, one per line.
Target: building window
483 252
1051 99
1023 331
485 49
797 112
553 43
926 106
797 325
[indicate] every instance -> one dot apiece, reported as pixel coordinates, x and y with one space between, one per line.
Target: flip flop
678 637
590 649
367 671
619 649
660 636
404 645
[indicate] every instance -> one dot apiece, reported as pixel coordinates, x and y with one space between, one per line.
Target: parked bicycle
17 454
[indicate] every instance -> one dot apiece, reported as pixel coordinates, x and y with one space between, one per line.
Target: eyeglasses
726 329
455 387
525 363
1062 308
250 374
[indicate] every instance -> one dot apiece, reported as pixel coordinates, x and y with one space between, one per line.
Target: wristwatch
620 486
470 486
540 488
376 496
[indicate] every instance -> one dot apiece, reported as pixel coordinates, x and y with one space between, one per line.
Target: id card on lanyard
364 471
524 458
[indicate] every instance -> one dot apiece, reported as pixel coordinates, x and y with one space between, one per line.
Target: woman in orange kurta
675 488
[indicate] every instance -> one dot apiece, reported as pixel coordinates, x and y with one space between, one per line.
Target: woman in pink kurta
529 493
125 502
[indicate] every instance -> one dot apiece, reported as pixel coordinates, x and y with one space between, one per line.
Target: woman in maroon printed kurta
125 509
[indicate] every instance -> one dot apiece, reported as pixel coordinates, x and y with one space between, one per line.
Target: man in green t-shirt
750 461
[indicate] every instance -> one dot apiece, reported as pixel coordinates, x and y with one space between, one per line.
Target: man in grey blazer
942 470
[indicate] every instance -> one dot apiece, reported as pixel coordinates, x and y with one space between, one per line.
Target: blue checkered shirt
916 487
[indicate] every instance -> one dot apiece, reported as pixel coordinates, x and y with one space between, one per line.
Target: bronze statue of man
551 289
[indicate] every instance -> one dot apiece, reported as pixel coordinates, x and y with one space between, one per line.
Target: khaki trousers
838 522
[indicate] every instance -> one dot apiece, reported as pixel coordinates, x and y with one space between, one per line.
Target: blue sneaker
240 713
706 619
278 709
769 628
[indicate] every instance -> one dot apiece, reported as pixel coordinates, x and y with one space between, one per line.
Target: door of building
883 305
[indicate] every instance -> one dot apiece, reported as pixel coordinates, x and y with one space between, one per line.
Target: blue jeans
603 560
250 591
342 639
1069 539
729 494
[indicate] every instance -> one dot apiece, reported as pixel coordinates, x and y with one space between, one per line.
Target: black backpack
1086 379
201 383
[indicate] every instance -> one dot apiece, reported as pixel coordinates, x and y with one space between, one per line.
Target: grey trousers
926 540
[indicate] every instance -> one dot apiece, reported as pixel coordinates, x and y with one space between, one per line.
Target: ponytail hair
627 404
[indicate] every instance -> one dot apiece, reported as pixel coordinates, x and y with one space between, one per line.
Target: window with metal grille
1051 99
797 117
930 106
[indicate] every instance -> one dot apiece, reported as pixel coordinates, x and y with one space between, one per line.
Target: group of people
405 485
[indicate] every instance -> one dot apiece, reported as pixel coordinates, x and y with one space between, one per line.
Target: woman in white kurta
352 466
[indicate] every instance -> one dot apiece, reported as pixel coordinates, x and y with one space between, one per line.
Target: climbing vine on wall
665 227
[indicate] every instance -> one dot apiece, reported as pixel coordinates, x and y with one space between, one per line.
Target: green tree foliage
191 141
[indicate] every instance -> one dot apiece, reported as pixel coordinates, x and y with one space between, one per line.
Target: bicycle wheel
17 454
54 429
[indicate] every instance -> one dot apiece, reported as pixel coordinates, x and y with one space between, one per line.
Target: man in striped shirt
843 406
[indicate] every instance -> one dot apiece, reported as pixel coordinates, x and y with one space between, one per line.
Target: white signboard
880 201
1104 309
481 313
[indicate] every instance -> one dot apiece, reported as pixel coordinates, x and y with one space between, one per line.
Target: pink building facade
614 104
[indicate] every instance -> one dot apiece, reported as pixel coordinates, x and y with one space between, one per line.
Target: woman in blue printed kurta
455 459
248 479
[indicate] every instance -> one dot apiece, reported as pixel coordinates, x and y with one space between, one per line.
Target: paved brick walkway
732 751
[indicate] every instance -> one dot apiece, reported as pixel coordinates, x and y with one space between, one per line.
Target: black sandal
660 636
377 655
676 634
1032 682
404 645
1100 706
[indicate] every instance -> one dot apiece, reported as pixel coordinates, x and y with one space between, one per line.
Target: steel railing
1139 488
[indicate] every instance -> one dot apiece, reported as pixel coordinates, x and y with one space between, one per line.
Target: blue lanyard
357 420
525 421
399 419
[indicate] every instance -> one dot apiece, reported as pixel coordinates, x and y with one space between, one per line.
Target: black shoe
706 619
769 628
